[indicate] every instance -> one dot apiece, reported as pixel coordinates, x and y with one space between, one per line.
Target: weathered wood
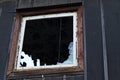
1 1
75 1
0 11
20 74
63 77
24 3
80 38
39 3
93 49
14 44
92 35
112 29
6 24
54 2
79 77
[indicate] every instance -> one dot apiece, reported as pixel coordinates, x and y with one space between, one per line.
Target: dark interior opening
48 39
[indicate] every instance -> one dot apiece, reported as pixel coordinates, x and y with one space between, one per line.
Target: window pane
48 39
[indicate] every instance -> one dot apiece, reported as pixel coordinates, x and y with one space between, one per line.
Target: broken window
48 41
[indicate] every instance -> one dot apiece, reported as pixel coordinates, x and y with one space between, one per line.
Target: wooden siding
0 11
112 30
39 3
93 37
71 70
6 24
93 40
78 77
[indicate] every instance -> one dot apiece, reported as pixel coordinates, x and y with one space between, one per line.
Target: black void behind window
48 40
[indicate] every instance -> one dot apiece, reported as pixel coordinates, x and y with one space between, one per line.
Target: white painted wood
21 37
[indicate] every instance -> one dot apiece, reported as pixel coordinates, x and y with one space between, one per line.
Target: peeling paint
25 61
28 60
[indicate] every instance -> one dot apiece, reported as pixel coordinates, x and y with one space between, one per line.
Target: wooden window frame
12 73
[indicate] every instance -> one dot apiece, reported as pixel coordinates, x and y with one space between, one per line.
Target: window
47 42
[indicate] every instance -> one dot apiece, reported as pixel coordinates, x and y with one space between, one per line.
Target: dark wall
0 11
36 3
93 48
101 21
6 25
112 29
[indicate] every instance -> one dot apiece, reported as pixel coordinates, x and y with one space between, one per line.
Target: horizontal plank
1 1
40 3
24 3
53 2
64 77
